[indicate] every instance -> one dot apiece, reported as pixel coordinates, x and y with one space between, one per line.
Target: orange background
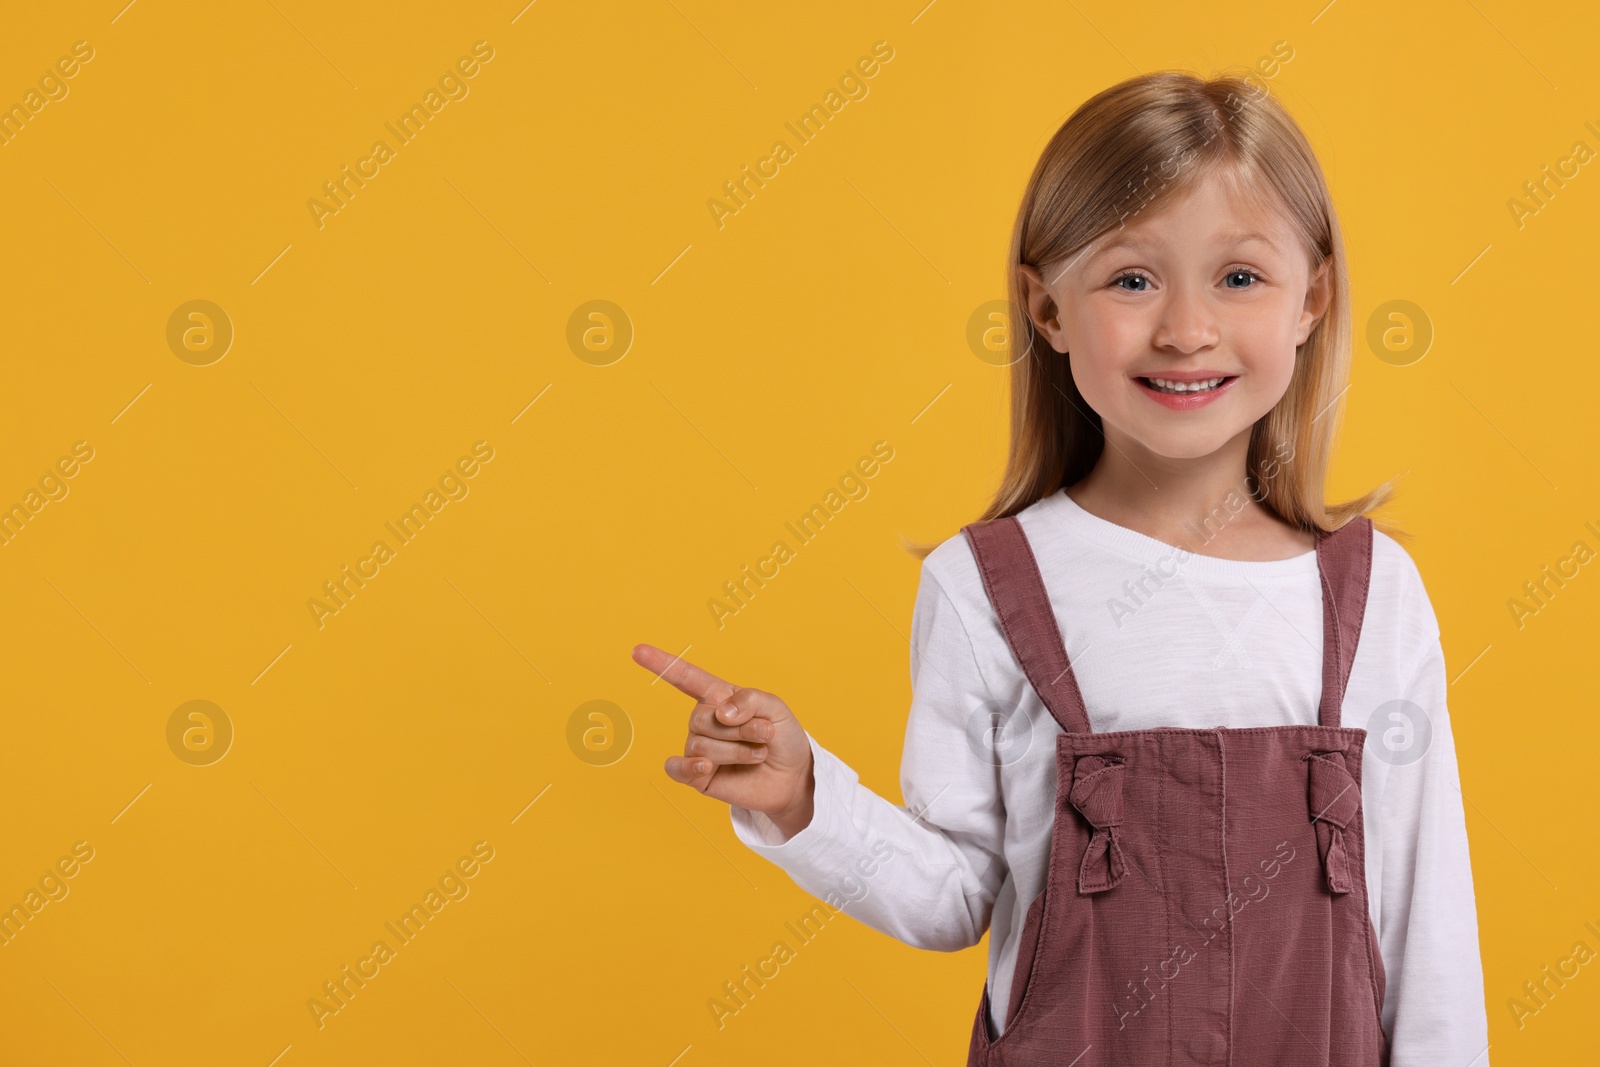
630 479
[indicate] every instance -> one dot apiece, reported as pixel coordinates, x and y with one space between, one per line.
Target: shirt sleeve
926 872
1434 1007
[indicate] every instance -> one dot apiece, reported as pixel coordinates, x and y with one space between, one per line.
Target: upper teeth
1186 387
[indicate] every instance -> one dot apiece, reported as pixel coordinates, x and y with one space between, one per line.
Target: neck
1182 501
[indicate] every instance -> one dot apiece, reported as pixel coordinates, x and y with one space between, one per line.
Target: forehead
1218 212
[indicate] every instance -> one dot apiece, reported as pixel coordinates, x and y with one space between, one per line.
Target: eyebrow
1230 239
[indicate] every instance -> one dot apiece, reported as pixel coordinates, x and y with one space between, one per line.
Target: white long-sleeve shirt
1219 643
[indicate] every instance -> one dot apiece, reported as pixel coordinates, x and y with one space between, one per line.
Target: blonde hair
1134 147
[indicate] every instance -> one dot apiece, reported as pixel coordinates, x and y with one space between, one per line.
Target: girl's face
1210 287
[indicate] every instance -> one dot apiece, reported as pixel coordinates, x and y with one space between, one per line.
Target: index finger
684 676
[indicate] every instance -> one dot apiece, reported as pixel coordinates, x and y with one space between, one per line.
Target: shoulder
1397 595
955 624
950 589
951 570
1395 573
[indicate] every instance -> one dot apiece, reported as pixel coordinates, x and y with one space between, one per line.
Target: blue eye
1249 276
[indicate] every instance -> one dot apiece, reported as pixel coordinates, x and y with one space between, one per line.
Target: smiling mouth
1175 388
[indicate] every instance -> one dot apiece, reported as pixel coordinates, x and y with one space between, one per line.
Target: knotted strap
1333 800
1097 794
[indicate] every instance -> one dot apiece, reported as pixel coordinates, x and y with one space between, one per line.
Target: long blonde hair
1135 147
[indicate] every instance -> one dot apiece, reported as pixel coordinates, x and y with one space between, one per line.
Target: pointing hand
745 747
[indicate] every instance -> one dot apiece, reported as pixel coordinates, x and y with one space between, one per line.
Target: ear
1041 307
1319 294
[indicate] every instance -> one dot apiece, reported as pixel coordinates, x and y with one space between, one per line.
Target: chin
1184 446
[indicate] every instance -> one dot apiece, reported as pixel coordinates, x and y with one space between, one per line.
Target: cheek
1099 376
1264 344
1103 349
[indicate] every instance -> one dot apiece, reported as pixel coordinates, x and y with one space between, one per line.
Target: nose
1187 323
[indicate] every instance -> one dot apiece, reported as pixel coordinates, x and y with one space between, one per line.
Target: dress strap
1344 560
1016 590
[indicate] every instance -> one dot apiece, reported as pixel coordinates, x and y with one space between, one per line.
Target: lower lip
1183 401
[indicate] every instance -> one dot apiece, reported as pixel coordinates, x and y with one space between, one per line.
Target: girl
1178 732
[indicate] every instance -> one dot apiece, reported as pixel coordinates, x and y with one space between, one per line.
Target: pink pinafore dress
1206 901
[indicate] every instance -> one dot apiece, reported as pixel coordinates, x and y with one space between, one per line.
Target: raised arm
935 861
926 872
